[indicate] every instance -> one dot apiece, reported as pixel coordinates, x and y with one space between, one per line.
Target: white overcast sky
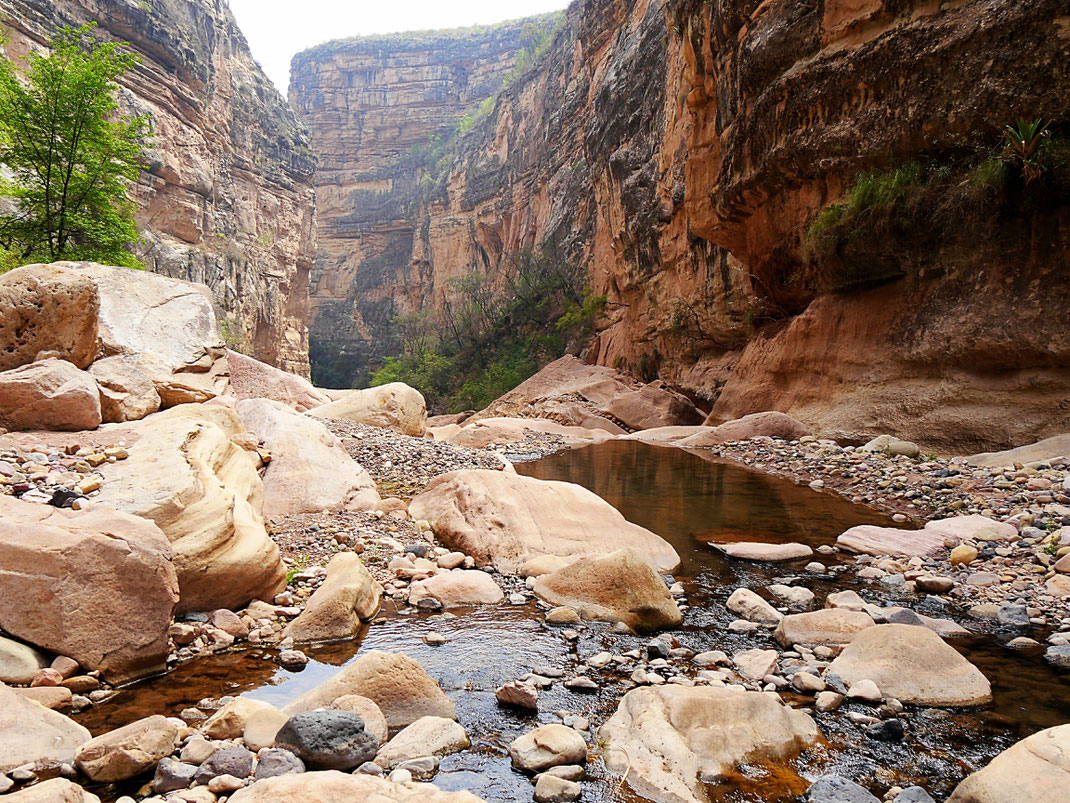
277 29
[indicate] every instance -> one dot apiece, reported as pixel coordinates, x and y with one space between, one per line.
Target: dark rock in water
835 682
833 789
888 730
914 794
1060 655
172 775
1013 613
659 648
276 761
195 616
328 740
236 761
429 604
61 497
905 616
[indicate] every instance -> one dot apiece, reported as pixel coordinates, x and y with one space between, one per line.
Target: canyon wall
227 199
679 148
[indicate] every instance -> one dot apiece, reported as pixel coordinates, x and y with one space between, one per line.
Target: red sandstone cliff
228 199
679 149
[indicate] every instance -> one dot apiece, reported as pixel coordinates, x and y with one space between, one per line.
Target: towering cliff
227 199
679 149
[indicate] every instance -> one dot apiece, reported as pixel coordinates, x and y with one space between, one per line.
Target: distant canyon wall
228 199
678 149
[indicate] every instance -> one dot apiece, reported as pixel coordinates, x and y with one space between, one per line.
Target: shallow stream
689 499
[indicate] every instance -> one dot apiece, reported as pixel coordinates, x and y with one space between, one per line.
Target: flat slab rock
869 539
754 550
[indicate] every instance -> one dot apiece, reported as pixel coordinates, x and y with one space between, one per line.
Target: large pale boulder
49 394
667 740
457 589
770 424
47 308
505 519
332 786
912 664
828 627
593 396
127 393
1047 449
972 528
754 550
56 790
395 682
33 734
309 471
185 473
394 406
96 585
127 751
19 662
347 596
427 736
1036 768
619 587
252 379
501 431
870 539
229 722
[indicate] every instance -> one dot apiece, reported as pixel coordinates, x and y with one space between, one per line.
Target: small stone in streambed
429 604
236 761
551 789
581 683
1021 643
328 740
435 639
275 761
293 660
5 783
807 683
400 776
562 616
518 694
421 768
570 772
1013 614
888 730
914 794
865 690
828 701
369 768
225 784
172 775
833 789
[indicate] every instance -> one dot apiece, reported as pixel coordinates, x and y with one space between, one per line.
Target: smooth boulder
870 539
127 393
914 665
667 740
770 424
457 588
754 550
49 394
309 471
252 379
33 734
95 585
489 432
127 751
186 474
427 736
332 786
327 740
829 627
548 746
395 682
619 587
55 790
1036 768
505 520
348 596
394 406
19 662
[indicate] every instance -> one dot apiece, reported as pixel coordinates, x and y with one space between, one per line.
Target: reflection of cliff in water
690 494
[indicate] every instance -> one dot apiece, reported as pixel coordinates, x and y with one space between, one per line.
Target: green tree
70 153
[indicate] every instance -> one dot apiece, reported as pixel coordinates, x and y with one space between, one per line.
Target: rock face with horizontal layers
348 596
396 683
309 471
1036 768
680 150
505 520
912 664
96 585
227 198
593 396
619 587
185 474
32 734
332 786
671 739
394 406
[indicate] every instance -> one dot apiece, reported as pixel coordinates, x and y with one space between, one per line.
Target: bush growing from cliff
71 155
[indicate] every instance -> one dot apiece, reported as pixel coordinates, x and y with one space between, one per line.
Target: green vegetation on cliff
495 331
71 154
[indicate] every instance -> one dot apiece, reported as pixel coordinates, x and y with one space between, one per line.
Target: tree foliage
70 155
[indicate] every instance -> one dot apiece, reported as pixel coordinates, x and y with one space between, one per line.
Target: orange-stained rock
505 520
51 394
95 585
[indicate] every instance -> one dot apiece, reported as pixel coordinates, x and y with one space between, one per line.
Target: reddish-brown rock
51 394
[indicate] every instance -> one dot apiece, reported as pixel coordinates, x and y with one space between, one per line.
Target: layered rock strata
227 197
